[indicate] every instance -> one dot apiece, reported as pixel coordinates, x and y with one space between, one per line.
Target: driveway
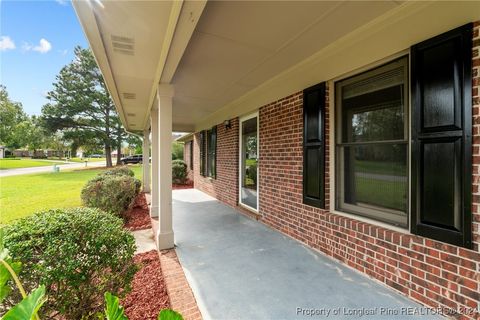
71 165
239 268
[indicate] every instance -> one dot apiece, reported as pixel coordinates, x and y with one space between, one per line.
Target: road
71 165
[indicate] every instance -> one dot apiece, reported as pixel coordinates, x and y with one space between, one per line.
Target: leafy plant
30 304
167 314
113 309
77 254
28 307
118 171
111 193
179 171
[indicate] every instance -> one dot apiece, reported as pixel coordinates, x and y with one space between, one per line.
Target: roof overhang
137 45
226 58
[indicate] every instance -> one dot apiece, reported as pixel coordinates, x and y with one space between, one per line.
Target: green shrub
179 171
111 193
77 253
118 171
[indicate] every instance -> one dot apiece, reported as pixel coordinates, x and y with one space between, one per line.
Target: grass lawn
24 163
382 193
377 167
23 195
78 159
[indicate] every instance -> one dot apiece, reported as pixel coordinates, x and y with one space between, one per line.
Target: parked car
137 158
96 156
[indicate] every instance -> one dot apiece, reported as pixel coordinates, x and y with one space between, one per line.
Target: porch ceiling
239 45
220 53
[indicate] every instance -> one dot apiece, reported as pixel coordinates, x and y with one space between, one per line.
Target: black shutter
314 146
203 167
442 137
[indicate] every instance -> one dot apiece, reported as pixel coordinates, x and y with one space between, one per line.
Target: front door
249 161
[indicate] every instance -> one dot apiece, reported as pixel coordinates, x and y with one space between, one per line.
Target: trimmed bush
179 171
118 171
111 193
78 254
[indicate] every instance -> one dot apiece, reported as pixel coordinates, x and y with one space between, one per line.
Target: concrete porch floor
239 268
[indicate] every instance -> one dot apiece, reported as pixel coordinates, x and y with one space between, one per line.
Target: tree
177 150
11 115
30 134
58 143
81 106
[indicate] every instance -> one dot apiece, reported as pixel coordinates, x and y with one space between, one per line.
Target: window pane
373 107
376 175
374 122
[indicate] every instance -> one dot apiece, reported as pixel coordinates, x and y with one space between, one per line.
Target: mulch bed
187 185
149 293
138 216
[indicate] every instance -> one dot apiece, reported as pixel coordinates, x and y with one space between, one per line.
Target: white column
155 191
146 160
164 177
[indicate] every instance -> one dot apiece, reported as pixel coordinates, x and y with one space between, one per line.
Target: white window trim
240 120
332 138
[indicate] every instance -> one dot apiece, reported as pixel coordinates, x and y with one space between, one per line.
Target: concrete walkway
144 240
70 165
240 269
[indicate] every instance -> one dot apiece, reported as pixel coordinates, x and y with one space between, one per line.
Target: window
372 143
190 148
212 152
202 142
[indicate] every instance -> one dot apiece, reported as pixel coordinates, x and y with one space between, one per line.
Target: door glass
249 163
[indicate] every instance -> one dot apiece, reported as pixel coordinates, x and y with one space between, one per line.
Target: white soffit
239 45
131 41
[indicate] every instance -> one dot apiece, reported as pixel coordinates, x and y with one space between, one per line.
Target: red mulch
138 216
187 185
149 293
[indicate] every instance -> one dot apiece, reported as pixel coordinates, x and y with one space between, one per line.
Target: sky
37 39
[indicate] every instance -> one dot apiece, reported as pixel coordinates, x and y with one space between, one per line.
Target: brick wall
428 271
187 158
225 186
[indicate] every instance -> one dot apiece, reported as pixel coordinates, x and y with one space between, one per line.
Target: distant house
2 152
18 153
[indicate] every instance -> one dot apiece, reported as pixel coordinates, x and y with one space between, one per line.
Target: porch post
164 177
146 160
155 193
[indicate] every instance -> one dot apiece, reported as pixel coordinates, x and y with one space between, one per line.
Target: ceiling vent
130 114
129 95
123 45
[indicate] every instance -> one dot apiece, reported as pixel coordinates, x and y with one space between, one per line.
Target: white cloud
43 47
6 43
63 52
62 2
